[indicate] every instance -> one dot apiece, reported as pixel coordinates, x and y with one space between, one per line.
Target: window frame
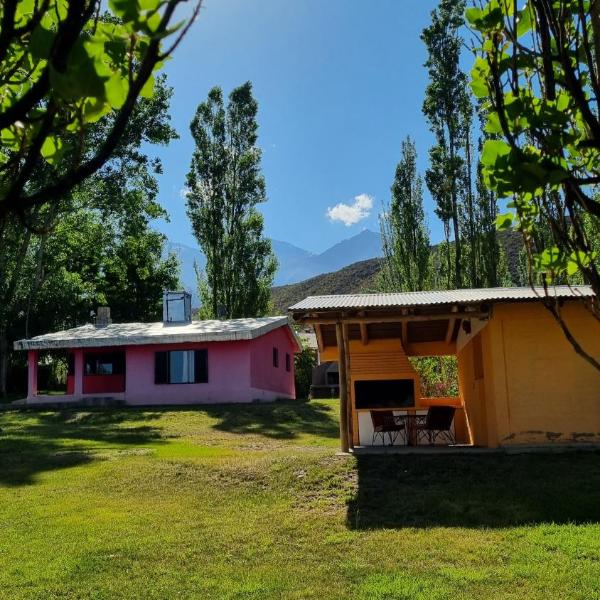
162 367
116 359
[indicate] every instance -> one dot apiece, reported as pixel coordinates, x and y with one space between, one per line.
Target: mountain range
295 264
353 279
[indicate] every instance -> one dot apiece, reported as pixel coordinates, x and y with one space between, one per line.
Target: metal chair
384 422
437 424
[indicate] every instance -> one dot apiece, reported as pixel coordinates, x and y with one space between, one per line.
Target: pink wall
32 373
228 375
263 374
103 384
237 372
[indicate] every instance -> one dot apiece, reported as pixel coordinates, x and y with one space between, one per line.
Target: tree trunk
474 258
3 363
455 223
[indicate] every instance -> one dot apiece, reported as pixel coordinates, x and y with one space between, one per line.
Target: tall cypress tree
490 251
224 187
446 99
403 228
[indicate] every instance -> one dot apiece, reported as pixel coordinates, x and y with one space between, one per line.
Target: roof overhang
138 334
441 300
420 319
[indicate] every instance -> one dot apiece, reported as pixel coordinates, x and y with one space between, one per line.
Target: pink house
172 362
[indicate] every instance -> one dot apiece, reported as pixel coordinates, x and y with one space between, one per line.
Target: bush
439 375
304 363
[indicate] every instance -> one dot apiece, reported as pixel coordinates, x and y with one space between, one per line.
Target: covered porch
372 337
90 372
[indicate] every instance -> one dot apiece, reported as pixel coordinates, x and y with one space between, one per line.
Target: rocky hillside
357 277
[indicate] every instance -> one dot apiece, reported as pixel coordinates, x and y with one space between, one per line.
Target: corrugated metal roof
442 297
132 334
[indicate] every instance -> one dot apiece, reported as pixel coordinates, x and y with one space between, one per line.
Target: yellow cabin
520 382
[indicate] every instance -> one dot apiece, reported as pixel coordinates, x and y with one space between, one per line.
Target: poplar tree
403 229
225 185
490 253
445 107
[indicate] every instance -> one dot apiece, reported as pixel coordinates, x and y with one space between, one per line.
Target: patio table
411 419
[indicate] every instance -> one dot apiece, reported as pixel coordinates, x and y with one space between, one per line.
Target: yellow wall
520 380
535 388
472 393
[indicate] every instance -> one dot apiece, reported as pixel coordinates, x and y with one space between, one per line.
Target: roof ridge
480 289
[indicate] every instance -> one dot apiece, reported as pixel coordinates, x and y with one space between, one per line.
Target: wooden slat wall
395 365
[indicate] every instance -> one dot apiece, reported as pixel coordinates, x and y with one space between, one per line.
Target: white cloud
350 214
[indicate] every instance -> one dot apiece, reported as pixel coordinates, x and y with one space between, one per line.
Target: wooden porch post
78 375
349 417
341 346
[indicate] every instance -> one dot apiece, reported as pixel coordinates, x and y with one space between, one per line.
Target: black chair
384 422
437 424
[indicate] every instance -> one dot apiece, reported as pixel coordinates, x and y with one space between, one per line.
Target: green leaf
473 16
492 150
151 5
479 88
505 221
52 149
551 259
153 21
147 90
128 10
40 43
578 260
116 90
493 124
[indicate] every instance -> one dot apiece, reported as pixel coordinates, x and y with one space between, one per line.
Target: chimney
177 307
103 317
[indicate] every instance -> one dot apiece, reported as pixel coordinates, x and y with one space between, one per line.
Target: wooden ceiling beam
450 331
319 335
404 334
364 334
396 318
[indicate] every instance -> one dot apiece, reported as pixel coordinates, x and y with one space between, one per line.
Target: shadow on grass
475 491
284 420
31 443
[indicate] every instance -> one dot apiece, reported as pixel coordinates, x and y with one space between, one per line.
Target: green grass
252 502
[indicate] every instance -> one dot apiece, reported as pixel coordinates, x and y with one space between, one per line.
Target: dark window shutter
275 357
118 361
201 366
90 364
161 367
288 362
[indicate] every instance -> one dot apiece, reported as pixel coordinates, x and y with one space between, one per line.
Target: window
387 393
181 366
288 362
275 357
112 363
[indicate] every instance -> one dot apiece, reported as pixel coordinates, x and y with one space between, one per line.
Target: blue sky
339 84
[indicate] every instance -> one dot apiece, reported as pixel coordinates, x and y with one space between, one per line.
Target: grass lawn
252 502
